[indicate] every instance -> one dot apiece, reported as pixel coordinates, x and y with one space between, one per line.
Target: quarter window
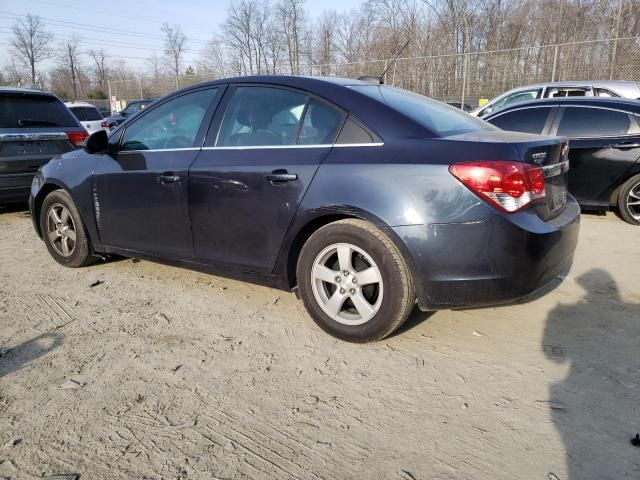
527 120
353 132
262 116
173 124
593 122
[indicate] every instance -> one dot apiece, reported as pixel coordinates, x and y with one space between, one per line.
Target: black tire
81 254
631 186
399 295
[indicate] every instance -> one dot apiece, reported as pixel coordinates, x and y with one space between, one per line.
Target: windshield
440 118
20 111
86 114
134 107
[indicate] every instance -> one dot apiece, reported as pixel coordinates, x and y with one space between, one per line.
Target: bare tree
174 46
68 56
292 19
155 65
100 68
212 58
31 42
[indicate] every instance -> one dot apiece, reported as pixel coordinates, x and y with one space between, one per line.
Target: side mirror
98 142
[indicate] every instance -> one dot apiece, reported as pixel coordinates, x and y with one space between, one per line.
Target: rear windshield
86 114
440 118
24 111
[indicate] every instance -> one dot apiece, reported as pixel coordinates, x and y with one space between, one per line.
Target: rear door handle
281 176
624 145
168 179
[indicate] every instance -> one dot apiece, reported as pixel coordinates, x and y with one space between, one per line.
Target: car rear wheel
354 282
629 201
63 231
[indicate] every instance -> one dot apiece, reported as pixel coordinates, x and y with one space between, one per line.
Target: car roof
24 91
614 103
583 83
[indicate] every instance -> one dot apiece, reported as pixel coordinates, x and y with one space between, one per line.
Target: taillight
76 138
104 124
510 186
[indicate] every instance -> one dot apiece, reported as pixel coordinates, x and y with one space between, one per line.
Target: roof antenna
380 79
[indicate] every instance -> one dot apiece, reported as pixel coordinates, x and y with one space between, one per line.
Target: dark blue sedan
364 198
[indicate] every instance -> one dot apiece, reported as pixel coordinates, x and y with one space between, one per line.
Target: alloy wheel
347 284
61 230
633 201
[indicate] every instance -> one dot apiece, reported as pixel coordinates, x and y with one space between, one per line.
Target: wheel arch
308 225
632 172
45 189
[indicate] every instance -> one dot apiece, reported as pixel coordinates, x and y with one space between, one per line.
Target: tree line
268 37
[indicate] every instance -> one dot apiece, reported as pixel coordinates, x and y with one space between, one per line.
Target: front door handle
625 145
281 176
168 179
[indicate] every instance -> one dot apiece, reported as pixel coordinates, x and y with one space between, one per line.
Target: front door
603 145
245 188
140 192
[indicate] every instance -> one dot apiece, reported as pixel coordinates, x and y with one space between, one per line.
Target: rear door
604 143
247 183
140 192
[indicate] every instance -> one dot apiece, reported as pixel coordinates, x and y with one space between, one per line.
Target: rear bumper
497 260
15 187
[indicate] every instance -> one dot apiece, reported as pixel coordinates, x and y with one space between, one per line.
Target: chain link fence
465 78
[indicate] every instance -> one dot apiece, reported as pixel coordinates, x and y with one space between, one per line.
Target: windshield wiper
24 122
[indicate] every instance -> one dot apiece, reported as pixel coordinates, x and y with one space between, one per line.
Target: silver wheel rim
633 201
61 230
347 284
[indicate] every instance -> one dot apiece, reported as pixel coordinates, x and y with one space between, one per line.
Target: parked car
88 115
466 107
605 88
604 146
131 109
364 198
34 127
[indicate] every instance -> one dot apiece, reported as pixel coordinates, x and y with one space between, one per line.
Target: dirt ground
134 370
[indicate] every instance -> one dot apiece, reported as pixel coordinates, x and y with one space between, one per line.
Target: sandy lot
131 369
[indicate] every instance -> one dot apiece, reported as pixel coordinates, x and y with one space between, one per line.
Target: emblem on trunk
539 158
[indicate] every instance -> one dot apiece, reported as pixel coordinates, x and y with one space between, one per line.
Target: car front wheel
629 200
354 281
63 231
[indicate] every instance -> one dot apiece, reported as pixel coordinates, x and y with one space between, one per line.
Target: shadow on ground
596 408
14 358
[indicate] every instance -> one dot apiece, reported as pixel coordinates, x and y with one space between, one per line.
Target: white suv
88 116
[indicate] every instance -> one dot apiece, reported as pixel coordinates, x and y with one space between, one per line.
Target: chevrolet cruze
365 199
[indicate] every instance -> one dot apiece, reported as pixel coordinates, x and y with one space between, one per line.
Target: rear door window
321 124
86 114
593 122
262 116
34 111
527 120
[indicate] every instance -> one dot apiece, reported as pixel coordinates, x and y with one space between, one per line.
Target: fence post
141 94
385 72
464 79
555 62
613 58
109 86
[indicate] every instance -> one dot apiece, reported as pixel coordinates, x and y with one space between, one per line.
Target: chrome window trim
499 113
254 147
13 137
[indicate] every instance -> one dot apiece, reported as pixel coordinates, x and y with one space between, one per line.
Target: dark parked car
34 127
604 146
131 109
364 197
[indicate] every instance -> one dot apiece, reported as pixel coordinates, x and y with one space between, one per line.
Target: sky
130 29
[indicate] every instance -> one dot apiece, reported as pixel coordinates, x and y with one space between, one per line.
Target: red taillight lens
509 186
76 138
104 124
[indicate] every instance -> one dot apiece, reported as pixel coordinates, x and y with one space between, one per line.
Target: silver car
592 88
88 115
